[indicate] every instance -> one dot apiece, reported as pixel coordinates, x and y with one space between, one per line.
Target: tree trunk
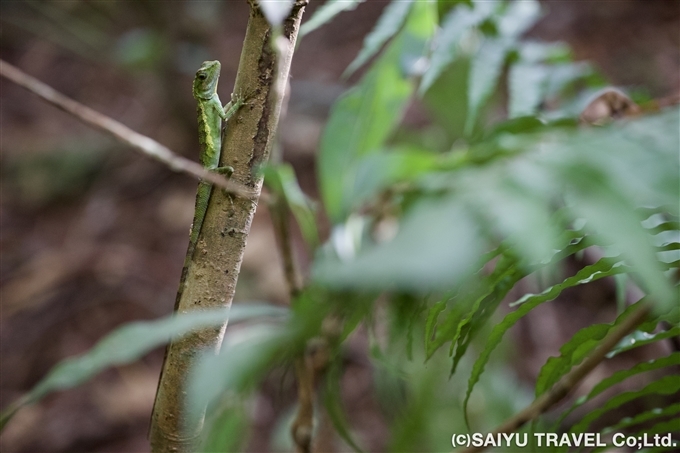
212 275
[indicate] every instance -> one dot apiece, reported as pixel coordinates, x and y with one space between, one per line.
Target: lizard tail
202 198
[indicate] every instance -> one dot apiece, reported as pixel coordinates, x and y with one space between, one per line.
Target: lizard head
205 82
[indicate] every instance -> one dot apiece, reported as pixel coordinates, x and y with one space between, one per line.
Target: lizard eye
202 76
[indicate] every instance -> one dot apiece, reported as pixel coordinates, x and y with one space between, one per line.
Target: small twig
280 215
565 385
121 132
303 425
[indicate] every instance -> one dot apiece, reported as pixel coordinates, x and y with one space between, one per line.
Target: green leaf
436 246
388 25
362 119
518 18
666 385
665 226
528 83
571 353
376 172
619 376
140 48
541 52
667 428
325 13
490 292
575 350
226 427
130 342
603 268
671 317
643 417
332 401
487 64
510 273
625 230
640 338
431 324
671 360
457 23
563 75
511 200
243 357
446 100
282 181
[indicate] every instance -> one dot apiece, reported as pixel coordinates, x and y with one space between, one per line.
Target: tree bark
213 273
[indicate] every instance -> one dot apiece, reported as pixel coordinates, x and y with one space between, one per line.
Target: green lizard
211 116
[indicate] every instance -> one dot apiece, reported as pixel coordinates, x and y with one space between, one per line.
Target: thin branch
569 381
302 428
121 132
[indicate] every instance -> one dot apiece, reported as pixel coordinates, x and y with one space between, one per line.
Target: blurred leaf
130 342
665 226
378 171
666 385
487 64
447 99
445 6
488 61
541 52
226 428
527 86
518 18
436 245
457 23
281 180
276 11
332 401
625 231
243 357
362 119
388 25
565 74
38 179
140 48
431 324
325 13
511 201
520 125
488 292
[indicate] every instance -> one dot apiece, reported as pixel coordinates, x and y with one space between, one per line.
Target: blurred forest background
93 235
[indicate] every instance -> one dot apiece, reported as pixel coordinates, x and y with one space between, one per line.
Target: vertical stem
212 275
